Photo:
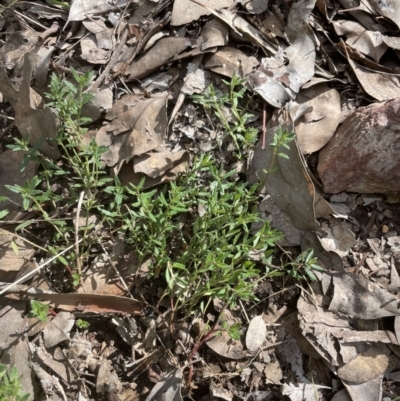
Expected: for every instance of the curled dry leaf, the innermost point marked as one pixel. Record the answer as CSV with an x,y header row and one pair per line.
x,y
389,9
167,166
367,42
280,78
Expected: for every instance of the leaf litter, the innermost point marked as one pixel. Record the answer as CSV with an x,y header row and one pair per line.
x,y
326,70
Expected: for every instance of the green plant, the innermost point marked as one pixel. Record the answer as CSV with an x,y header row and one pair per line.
x,y
10,385
39,310
201,255
80,168
302,267
82,324
243,135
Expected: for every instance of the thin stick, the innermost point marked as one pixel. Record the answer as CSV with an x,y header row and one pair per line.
x,y
78,258
29,274
5,232
264,129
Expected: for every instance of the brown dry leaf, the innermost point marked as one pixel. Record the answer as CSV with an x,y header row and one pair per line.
x,y
256,333
368,391
20,357
302,391
240,26
362,156
339,237
107,381
12,322
95,303
255,6
280,78
341,395
218,392
187,11
227,347
162,52
229,60
58,329
81,9
91,52
10,262
364,367
366,42
168,388
36,123
279,220
101,278
103,34
50,384
381,336
13,52
273,372
289,185
58,364
380,86
326,259
319,326
127,174
397,327
298,19
215,33
389,9
157,164
316,128
138,126
358,297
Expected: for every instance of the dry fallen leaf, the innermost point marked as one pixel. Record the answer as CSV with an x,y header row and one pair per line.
x,y
35,123
225,346
58,329
256,333
280,78
10,261
289,185
138,125
365,367
168,388
316,128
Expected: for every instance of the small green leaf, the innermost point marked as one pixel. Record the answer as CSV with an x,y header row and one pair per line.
x,y
3,213
14,247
